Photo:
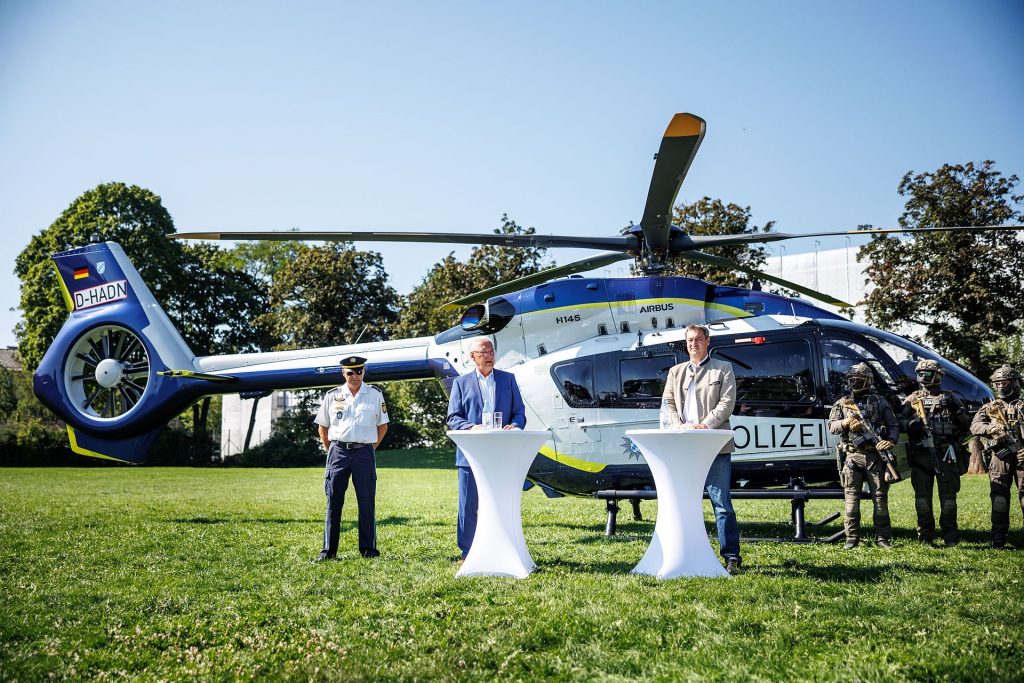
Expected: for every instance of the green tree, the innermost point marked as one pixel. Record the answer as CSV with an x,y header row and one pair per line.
x,y
263,259
330,295
226,301
132,216
422,405
708,216
962,287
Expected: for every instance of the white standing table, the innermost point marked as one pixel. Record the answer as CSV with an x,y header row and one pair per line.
x,y
679,460
500,460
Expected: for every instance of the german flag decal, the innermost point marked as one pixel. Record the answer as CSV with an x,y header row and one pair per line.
x,y
81,273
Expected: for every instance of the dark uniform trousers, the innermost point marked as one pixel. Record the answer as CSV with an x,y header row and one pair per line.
x,y
923,480
1001,474
861,468
359,464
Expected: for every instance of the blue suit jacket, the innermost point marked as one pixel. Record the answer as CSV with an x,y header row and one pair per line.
x,y
466,405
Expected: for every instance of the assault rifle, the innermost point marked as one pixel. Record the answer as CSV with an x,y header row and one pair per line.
x,y
869,437
1009,444
928,442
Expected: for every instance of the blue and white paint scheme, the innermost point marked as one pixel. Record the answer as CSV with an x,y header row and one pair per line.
x,y
118,371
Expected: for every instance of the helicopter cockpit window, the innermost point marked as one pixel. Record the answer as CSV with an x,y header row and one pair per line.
x,y
905,359
777,372
575,380
907,354
643,379
840,354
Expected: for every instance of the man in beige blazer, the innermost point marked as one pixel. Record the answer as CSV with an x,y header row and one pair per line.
x,y
702,393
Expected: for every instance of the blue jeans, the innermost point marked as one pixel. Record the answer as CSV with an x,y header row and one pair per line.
x,y
468,502
717,485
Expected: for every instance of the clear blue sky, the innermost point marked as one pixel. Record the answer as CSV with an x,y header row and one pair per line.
x,y
443,115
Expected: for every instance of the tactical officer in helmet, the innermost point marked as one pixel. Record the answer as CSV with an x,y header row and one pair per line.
x,y
937,423
1000,424
867,425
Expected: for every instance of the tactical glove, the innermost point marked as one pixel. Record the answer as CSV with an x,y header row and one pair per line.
x,y
884,445
852,424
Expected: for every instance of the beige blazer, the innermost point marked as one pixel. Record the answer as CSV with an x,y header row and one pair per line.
x,y
715,394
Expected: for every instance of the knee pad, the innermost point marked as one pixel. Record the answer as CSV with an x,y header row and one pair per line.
x,y
1000,504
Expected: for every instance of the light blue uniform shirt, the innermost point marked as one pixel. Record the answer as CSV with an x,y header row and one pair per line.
x,y
486,385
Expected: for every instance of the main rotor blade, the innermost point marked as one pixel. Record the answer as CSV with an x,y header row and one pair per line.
x,y
686,243
624,243
733,265
538,278
678,147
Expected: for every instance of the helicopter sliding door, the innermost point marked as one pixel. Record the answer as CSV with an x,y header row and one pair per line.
x,y
779,418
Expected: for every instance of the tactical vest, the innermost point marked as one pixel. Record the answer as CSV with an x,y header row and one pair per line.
x,y
940,420
1013,412
871,412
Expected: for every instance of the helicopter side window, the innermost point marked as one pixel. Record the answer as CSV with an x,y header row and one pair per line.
x,y
774,372
840,354
643,379
575,380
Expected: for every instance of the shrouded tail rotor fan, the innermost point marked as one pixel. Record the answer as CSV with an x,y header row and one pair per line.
x,y
107,372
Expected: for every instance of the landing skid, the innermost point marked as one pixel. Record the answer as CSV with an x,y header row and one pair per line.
x,y
797,493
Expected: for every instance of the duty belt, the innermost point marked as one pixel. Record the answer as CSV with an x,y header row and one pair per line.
x,y
351,445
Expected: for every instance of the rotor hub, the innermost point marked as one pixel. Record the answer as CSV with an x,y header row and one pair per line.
x,y
109,373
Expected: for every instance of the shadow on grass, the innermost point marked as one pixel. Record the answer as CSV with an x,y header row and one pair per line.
x,y
240,520
606,567
381,521
417,459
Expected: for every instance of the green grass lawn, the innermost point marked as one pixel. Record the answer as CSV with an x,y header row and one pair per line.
x,y
178,574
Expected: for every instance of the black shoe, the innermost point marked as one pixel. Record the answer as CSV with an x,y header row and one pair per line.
x,y
324,555
952,542
884,543
998,544
732,565
370,552
850,544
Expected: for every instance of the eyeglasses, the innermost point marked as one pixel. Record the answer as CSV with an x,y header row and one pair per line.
x,y
484,353
349,373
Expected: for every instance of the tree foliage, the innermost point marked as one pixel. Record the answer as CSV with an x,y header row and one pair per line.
x,y
708,216
210,300
225,302
963,287
132,216
330,295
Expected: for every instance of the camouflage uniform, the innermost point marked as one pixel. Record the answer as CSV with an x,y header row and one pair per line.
x,y
1000,424
946,423
859,461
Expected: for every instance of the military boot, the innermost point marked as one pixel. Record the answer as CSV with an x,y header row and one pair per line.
x,y
850,544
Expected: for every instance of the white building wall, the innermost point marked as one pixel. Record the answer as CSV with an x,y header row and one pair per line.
x,y
235,415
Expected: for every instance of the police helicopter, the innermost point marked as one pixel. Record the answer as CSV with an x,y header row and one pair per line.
x,y
590,354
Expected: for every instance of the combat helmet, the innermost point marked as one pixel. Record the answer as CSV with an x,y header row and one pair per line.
x,y
1006,381
859,378
929,373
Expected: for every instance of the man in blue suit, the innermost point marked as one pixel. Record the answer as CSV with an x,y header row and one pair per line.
x,y
485,390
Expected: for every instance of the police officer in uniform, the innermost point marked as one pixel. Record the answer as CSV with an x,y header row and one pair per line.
x,y
1000,424
858,457
353,419
937,423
